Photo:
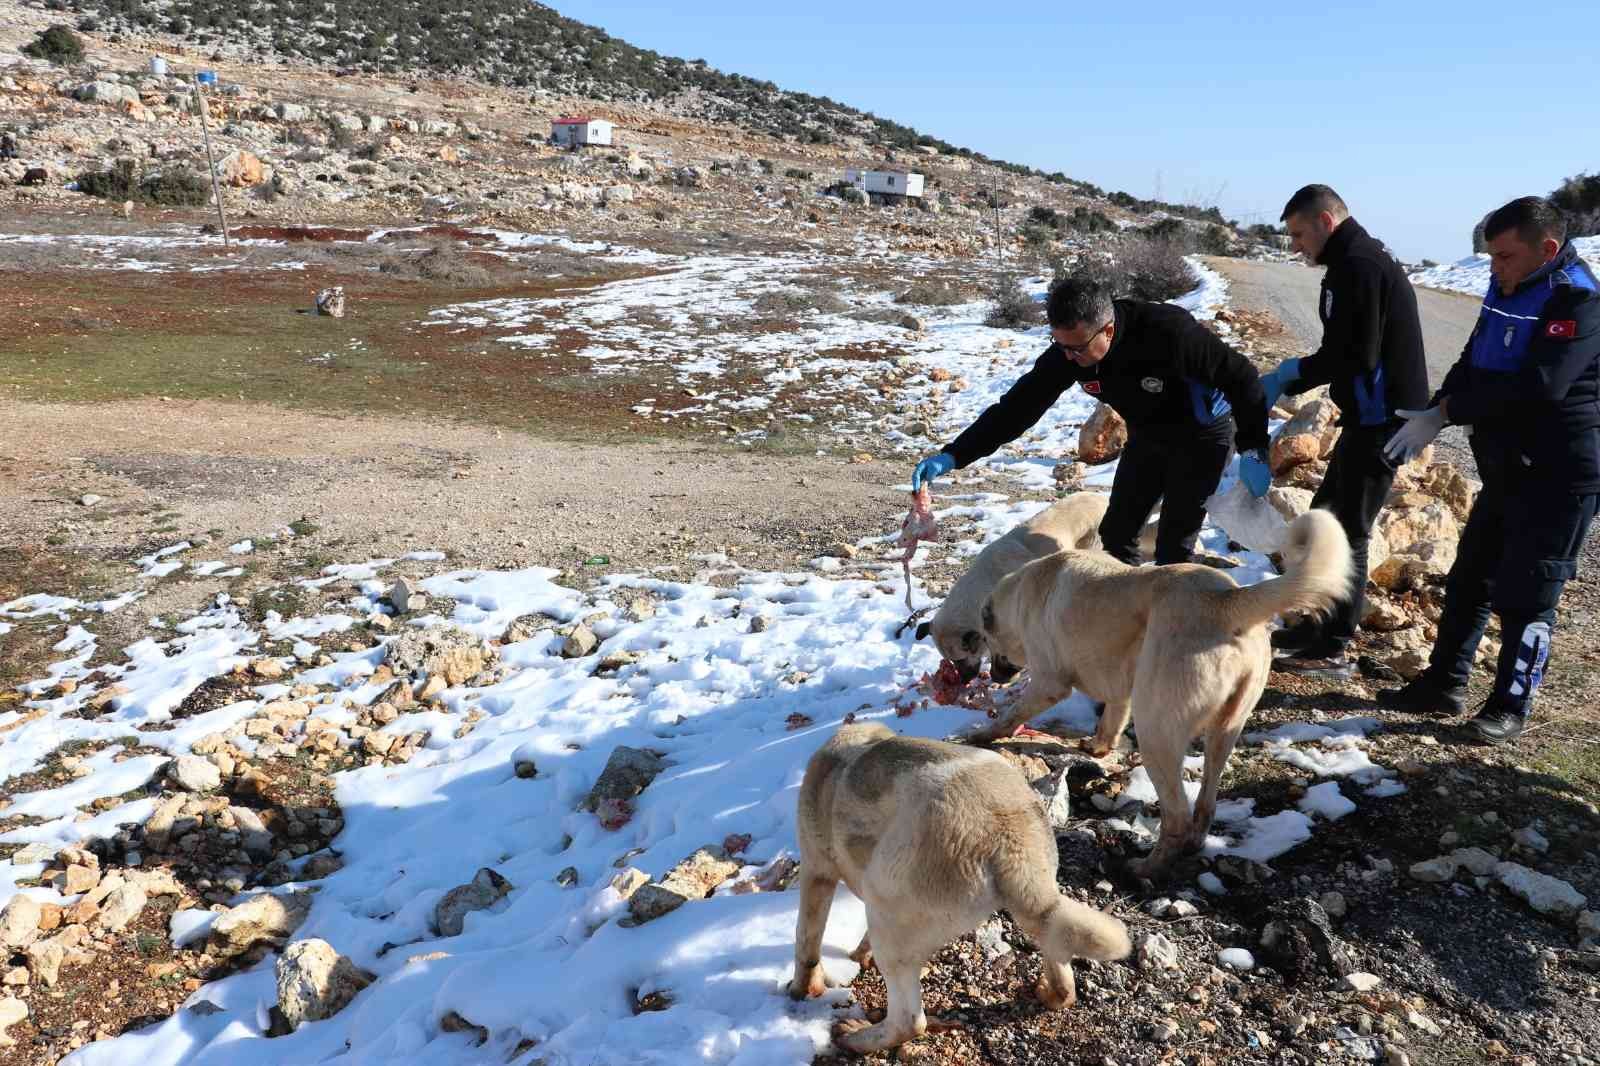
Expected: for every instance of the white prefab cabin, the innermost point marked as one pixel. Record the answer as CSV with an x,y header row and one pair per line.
x,y
886,182
572,130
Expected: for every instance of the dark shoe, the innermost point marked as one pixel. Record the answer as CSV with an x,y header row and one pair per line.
x,y
1324,659
1498,724
1295,638
1425,696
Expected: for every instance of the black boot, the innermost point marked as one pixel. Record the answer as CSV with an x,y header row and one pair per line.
x,y
1297,637
1324,658
1425,696
1499,722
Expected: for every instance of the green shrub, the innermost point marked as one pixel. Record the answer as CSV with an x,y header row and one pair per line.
x,y
785,303
58,45
1013,308
798,174
175,186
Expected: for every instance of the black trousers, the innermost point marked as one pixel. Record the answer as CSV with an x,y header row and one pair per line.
x,y
1178,468
1518,551
1354,490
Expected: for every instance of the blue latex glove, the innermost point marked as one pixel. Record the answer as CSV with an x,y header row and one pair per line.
x,y
1255,473
1286,374
933,466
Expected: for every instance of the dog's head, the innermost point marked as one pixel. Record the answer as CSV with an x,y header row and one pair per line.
x,y
1007,652
963,647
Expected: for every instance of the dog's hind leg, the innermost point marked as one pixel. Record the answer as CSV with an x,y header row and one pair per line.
x,y
816,899
899,951
1220,739
1163,752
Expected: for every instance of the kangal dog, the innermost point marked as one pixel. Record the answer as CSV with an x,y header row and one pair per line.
x,y
1183,648
1071,523
933,838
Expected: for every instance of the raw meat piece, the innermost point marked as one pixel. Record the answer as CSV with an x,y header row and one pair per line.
x,y
918,526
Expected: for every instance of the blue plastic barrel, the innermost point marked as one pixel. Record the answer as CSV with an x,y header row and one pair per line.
x,y
206,77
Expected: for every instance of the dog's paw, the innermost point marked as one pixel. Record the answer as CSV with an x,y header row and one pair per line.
x,y
855,1034
1050,997
1094,747
808,985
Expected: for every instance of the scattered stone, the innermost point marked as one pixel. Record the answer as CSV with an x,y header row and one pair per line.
x,y
1155,952
12,1011
1164,1031
194,773
1236,959
484,890
991,940
121,907
442,650
1545,894
1300,942
400,594
1334,904
1435,871
78,879
266,669
19,922
567,877
693,878
89,499
46,957
268,917
1530,838
1055,798
316,982
525,768
1477,861
580,642
627,773
1362,981
455,1023
626,883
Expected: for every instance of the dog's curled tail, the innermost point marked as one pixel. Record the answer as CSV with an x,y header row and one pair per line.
x,y
1317,574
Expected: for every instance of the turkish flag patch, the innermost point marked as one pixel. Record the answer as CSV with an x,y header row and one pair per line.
x,y
1563,330
1092,388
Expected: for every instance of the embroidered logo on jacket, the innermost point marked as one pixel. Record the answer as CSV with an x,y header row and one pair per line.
x,y
1152,384
1511,335
1564,330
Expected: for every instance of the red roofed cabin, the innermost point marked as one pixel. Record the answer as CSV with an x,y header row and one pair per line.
x,y
575,130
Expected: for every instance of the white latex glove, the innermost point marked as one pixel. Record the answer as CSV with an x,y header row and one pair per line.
x,y
1418,432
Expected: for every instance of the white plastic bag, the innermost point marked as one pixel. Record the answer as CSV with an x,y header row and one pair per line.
x,y
1254,523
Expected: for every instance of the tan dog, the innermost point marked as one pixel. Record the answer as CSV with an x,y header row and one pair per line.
x,y
1071,523
933,838
1182,647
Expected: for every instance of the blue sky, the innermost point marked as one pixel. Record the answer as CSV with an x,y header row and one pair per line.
x,y
1423,115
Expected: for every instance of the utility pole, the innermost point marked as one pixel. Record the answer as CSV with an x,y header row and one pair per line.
x,y
205,128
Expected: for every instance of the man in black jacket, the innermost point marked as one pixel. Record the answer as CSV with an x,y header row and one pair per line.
x,y
1371,359
1178,387
1528,387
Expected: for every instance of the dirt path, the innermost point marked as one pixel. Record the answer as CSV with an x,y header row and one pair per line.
x,y
170,471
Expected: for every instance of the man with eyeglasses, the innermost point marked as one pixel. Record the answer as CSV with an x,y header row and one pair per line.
x,y
1187,397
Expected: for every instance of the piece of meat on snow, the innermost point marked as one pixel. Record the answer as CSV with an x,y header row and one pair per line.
x,y
918,526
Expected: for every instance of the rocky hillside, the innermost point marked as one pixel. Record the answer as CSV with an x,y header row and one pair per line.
x,y
526,46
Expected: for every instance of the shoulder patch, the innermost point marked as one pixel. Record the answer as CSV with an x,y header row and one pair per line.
x,y
1152,384
1091,387
1561,330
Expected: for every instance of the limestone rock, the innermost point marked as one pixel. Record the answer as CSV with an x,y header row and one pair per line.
x,y
1435,871
1304,438
46,957
121,907
194,773
484,890
626,883
107,92
316,982
240,169
1291,503
12,1011
19,922
1155,952
1301,943
693,878
1056,798
1545,894
1102,437
627,773
443,651
580,642
268,917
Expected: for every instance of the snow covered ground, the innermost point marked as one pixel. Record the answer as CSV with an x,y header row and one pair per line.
x,y
736,708
1471,275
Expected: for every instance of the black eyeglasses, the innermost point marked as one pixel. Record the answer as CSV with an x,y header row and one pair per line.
x,y
1081,349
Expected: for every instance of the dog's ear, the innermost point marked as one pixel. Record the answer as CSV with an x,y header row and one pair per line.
x,y
922,630
971,641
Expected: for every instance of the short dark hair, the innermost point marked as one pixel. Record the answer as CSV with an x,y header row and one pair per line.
x,y
1313,200
1079,299
1533,217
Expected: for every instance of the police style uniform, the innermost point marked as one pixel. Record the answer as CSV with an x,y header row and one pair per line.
x,y
1372,361
1527,386
1178,387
